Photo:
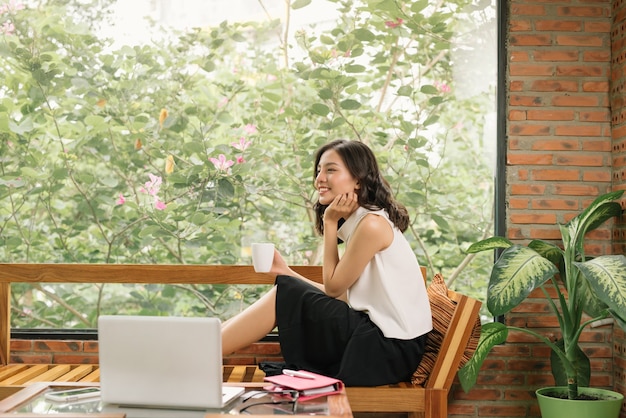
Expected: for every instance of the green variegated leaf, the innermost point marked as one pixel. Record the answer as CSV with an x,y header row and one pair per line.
x,y
607,277
619,318
547,250
592,305
489,244
491,334
567,232
594,215
518,271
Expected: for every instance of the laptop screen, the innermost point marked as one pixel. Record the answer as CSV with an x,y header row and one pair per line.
x,y
162,362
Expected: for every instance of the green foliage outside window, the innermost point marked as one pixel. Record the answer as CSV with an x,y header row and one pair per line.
x,y
187,149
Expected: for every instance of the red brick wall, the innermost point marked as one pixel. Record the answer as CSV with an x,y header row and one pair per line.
x,y
562,152
618,120
86,352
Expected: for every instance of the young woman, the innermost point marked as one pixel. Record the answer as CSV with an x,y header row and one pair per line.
x,y
367,323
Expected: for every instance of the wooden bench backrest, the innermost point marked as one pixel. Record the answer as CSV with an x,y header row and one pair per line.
x,y
443,373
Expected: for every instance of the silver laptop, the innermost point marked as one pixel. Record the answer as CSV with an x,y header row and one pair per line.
x,y
162,362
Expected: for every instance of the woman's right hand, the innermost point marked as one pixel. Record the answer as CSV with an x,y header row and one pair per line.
x,y
279,265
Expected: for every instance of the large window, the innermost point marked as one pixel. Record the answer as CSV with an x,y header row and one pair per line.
x,y
184,137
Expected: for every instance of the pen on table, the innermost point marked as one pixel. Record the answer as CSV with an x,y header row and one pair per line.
x,y
295,373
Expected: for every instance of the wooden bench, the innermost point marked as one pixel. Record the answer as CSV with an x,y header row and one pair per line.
x,y
430,401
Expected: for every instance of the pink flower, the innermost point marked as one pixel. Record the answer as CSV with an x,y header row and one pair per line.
x,y
223,102
394,23
242,145
153,186
11,6
221,163
159,205
443,87
7,28
250,129
240,159
120,200
271,77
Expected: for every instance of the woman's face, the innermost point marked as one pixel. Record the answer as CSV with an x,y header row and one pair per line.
x,y
333,178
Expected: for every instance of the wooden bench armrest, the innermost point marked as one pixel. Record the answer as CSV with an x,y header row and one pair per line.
x,y
455,341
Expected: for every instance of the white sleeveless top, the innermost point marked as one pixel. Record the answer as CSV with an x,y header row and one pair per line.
x,y
391,289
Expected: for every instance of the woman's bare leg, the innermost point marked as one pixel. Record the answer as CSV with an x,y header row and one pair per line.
x,y
248,327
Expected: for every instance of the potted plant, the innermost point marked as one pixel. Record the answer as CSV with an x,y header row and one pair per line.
x,y
584,285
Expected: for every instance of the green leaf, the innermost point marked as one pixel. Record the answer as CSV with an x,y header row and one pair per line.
x,y
226,188
327,40
491,334
591,304
320,109
547,250
355,68
225,118
407,127
431,120
208,65
620,318
435,101
94,120
298,4
22,128
489,244
599,211
31,173
364,35
337,122
518,271
429,89
440,221
325,94
419,5
405,90
4,122
149,231
606,275
349,104
199,218
194,147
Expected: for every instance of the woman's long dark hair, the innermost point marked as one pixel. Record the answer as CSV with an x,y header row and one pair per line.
x,y
375,192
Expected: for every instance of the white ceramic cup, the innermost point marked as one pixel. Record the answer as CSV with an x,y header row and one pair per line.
x,y
262,256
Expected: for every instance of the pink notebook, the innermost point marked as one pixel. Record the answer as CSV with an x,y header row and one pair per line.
x,y
309,388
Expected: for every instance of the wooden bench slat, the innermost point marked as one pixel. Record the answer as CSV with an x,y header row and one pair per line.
x,y
92,377
258,375
26,375
10,370
52,374
237,374
76,373
396,399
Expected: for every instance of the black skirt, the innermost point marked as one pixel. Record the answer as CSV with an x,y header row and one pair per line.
x,y
324,335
